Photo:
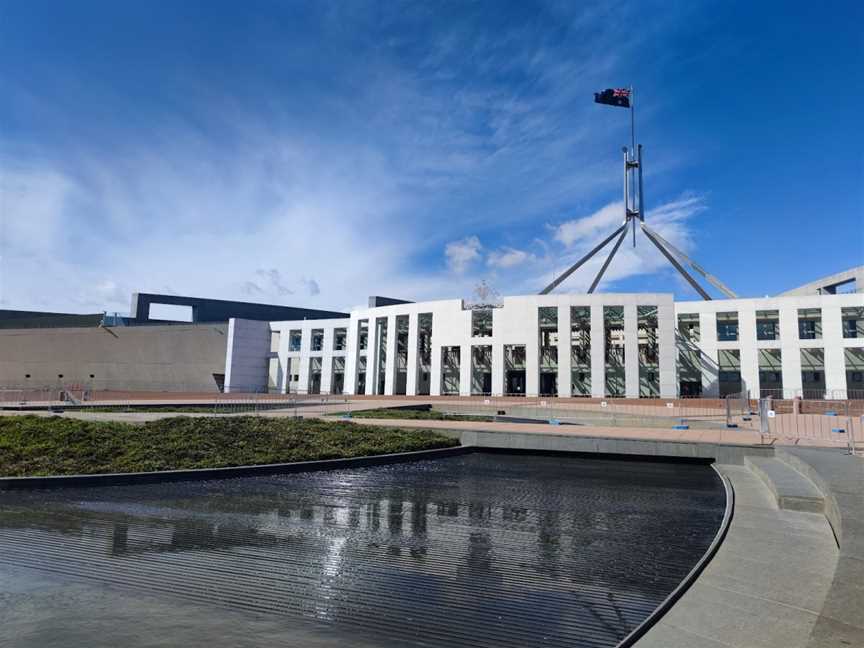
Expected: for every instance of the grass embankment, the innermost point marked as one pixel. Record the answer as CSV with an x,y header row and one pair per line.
x,y
33,445
418,415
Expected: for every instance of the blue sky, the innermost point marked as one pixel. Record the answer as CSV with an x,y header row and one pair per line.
x,y
315,153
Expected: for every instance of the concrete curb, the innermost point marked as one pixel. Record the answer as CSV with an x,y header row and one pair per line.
x,y
118,479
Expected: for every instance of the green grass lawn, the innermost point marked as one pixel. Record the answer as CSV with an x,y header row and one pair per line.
x,y
34,445
418,415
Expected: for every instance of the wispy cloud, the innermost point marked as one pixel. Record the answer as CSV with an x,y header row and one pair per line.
x,y
508,258
461,254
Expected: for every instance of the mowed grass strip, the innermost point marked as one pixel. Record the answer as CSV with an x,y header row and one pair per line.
x,y
34,445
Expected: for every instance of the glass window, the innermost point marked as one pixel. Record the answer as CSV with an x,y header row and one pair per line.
x,y
649,352
481,322
853,322
809,323
767,325
727,327
317,339
340,339
688,327
363,334
294,339
613,331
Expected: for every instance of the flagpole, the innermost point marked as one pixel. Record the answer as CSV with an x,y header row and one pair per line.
x,y
633,149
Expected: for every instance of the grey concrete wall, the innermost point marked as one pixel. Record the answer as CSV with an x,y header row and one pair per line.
x,y
721,453
152,358
247,355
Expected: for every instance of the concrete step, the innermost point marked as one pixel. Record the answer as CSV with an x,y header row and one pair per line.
x,y
793,491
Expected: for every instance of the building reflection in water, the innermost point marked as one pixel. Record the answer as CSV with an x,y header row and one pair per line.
x,y
488,541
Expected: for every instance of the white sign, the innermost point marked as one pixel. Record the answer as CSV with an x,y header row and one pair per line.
x,y
486,401
771,413
670,405
542,403
603,404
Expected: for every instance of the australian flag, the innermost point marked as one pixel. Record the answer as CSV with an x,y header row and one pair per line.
x,y
613,97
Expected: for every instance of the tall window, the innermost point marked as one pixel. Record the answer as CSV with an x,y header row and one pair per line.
x,y
481,369
340,339
317,339
613,330
729,361
813,373
424,353
450,368
548,331
294,339
649,352
580,350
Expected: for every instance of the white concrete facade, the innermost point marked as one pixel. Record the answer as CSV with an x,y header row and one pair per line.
x,y
516,322
788,342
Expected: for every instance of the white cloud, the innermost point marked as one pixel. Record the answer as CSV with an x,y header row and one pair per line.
x,y
581,229
461,254
508,258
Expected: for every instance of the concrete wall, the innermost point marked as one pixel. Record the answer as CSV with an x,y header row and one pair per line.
x,y
172,357
247,356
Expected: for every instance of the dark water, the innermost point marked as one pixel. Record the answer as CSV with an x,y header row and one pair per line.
x,y
476,550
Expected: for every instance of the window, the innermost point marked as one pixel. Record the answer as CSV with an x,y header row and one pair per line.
x,y
424,353
853,322
809,323
688,327
729,365
450,368
317,339
340,339
363,334
294,339
580,351
548,331
813,373
768,325
613,333
649,352
481,322
727,327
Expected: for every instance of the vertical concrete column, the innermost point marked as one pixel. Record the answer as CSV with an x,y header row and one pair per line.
x,y
465,370
411,379
327,361
631,352
747,346
564,350
790,351
532,352
668,349
352,356
372,357
390,376
708,356
497,369
835,356
435,377
598,352
305,350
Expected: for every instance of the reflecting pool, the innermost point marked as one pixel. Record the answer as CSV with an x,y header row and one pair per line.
x,y
482,549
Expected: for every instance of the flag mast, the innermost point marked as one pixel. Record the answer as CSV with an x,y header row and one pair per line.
x,y
634,208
